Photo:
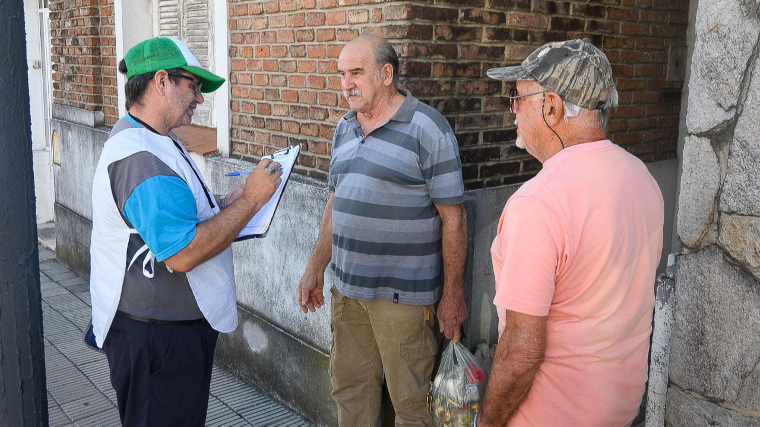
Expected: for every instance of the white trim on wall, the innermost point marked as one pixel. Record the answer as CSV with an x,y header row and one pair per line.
x,y
133,23
119,34
222,65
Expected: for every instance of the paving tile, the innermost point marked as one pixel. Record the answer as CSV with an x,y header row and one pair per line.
x,y
84,296
74,281
53,268
86,407
62,333
78,352
57,290
44,286
79,287
61,276
68,302
107,418
56,416
46,254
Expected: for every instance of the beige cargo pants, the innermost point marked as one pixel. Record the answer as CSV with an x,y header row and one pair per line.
x,y
376,336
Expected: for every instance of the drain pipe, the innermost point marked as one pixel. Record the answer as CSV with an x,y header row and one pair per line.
x,y
660,352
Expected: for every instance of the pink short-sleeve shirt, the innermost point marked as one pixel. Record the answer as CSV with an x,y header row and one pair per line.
x,y
580,244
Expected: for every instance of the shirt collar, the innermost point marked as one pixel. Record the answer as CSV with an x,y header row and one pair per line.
x,y
405,112
132,121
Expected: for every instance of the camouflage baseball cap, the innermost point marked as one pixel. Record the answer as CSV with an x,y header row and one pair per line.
x,y
575,69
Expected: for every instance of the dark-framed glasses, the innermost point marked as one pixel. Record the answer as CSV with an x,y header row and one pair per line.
x,y
198,83
514,96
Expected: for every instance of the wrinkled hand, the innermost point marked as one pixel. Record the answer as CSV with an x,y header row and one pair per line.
x,y
262,183
235,194
310,296
452,312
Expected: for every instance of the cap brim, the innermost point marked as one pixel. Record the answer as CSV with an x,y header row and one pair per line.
x,y
211,81
509,74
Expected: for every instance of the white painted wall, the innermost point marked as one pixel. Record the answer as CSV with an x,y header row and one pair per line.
x,y
133,21
222,68
38,104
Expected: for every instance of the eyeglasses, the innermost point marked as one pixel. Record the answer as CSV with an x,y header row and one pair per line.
x,y
198,83
514,96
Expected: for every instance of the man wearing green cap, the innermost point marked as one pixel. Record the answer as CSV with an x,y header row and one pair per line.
x,y
575,255
162,282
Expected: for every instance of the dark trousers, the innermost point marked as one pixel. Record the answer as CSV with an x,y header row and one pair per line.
x,y
161,373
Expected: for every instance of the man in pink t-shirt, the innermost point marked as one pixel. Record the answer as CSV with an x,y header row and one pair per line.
x,y
575,254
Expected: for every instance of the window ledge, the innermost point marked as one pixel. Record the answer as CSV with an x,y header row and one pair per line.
x,y
196,139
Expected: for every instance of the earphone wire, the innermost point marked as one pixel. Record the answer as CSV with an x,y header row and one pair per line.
x,y
543,104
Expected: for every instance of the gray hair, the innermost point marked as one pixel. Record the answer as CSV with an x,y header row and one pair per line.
x,y
611,101
386,54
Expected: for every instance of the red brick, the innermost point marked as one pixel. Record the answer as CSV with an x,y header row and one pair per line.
x,y
309,98
328,99
287,66
296,20
304,36
290,96
285,36
280,110
270,65
458,33
316,51
347,34
325,34
309,129
306,66
315,19
278,21
333,51
527,20
271,6
336,18
296,81
297,51
263,109
291,127
268,37
287,5
279,51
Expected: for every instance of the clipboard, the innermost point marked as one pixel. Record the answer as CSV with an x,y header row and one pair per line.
x,y
259,225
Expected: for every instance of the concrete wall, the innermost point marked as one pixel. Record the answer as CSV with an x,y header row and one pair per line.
x,y
715,346
276,346
81,138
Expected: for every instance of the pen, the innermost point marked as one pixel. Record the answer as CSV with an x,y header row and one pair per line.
x,y
246,173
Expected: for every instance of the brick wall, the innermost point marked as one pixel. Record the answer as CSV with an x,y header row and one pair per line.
x,y
84,55
286,90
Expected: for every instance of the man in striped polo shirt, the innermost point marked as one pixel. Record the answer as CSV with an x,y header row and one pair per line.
x,y
395,229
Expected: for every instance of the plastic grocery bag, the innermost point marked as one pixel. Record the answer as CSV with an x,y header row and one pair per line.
x,y
457,389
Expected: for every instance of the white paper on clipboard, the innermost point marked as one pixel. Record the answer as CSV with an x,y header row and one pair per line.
x,y
259,224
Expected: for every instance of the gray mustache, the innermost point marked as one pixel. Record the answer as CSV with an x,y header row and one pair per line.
x,y
352,92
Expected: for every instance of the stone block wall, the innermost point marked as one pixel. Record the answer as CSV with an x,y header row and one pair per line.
x,y
286,90
715,347
83,55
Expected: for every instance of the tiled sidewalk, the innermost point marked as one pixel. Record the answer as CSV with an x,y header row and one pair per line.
x,y
79,389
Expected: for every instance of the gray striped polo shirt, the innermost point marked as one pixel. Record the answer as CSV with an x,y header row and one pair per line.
x,y
386,241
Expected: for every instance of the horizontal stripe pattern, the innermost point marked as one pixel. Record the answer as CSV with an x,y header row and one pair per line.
x,y
386,228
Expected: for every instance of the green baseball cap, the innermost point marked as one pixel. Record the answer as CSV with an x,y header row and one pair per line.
x,y
575,69
164,53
